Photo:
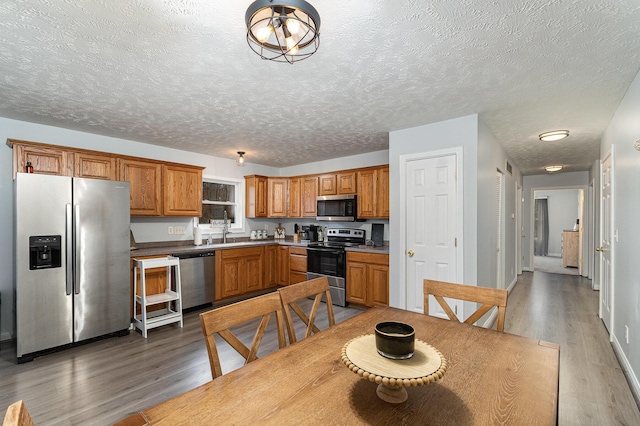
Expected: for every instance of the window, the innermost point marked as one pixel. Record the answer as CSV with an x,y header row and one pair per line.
x,y
219,196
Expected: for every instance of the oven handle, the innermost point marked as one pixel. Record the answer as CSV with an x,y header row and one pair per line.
x,y
332,251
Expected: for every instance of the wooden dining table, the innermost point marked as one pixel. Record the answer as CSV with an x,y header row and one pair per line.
x,y
491,378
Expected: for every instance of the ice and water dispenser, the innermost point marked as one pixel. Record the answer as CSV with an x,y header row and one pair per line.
x,y
45,251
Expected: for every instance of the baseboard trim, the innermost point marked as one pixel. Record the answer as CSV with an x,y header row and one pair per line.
x,y
491,320
629,374
5,335
512,285
527,269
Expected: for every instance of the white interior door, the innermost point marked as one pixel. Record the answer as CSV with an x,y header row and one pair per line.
x,y
431,225
499,232
606,242
519,229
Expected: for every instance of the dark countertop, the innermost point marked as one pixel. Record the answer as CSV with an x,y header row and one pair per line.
x,y
177,248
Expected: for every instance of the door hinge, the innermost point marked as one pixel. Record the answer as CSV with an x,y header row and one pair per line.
x,y
581,261
455,174
455,309
455,242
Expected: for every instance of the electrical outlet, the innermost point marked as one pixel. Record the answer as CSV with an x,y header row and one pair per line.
x,y
170,230
626,334
179,230
266,227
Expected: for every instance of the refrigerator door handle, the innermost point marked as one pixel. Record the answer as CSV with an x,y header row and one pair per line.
x,y
76,249
69,249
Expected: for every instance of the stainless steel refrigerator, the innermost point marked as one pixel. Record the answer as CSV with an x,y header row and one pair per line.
x,y
71,261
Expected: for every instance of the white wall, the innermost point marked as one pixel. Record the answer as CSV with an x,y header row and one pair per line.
x,y
564,209
578,180
621,133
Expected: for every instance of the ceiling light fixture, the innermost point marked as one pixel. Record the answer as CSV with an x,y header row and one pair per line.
x,y
636,145
556,135
286,31
240,160
553,168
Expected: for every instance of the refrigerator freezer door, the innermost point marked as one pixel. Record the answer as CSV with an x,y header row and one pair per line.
x,y
101,215
43,309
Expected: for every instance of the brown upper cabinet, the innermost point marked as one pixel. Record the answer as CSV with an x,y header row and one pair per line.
x,y
339,183
327,184
94,166
295,197
45,160
309,196
373,192
182,190
346,183
277,197
157,188
145,185
255,196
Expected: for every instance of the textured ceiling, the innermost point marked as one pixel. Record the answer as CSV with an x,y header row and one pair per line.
x,y
179,73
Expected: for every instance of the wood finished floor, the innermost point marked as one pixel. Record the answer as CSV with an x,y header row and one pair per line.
x,y
105,381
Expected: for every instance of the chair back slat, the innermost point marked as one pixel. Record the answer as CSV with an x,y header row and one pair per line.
x,y
289,296
489,297
17,415
218,321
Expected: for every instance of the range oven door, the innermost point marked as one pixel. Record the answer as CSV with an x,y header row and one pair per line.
x,y
330,263
327,261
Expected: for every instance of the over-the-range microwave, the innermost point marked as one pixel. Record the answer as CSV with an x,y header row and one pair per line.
x,y
336,208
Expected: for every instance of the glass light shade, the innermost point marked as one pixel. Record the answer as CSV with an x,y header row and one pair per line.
x,y
271,25
240,160
553,168
556,135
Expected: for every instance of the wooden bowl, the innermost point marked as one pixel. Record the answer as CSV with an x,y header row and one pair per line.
x,y
395,340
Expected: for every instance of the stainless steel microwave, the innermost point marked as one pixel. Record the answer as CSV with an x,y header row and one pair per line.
x,y
336,208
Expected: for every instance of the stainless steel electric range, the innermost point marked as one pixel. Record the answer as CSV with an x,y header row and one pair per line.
x,y
329,259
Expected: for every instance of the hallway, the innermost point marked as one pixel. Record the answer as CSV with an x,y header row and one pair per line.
x,y
563,309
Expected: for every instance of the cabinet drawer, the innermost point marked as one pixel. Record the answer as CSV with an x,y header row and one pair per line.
x,y
298,263
298,250
377,258
297,277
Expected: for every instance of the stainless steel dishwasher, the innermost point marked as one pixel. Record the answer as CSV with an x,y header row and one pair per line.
x,y
198,277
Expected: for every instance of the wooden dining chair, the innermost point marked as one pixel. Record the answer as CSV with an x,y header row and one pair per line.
x,y
17,415
218,321
489,297
290,295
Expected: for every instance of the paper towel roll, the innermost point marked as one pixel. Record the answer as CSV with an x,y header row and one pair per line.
x,y
197,236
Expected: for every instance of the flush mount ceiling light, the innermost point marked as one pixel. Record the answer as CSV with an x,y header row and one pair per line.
x,y
240,160
553,168
283,31
556,135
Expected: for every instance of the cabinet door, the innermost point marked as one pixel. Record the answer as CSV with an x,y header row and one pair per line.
x,y
277,205
295,206
297,264
47,161
94,166
367,193
327,184
357,283
182,195
256,196
378,288
270,266
228,276
253,272
382,198
145,182
346,183
283,265
309,196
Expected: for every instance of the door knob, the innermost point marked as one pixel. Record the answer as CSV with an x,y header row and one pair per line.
x,y
600,249
410,253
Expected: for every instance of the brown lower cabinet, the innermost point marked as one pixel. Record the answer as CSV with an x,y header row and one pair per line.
x,y
368,279
297,264
239,271
282,265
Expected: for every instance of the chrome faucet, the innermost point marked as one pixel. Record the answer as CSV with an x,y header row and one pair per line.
x,y
225,229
